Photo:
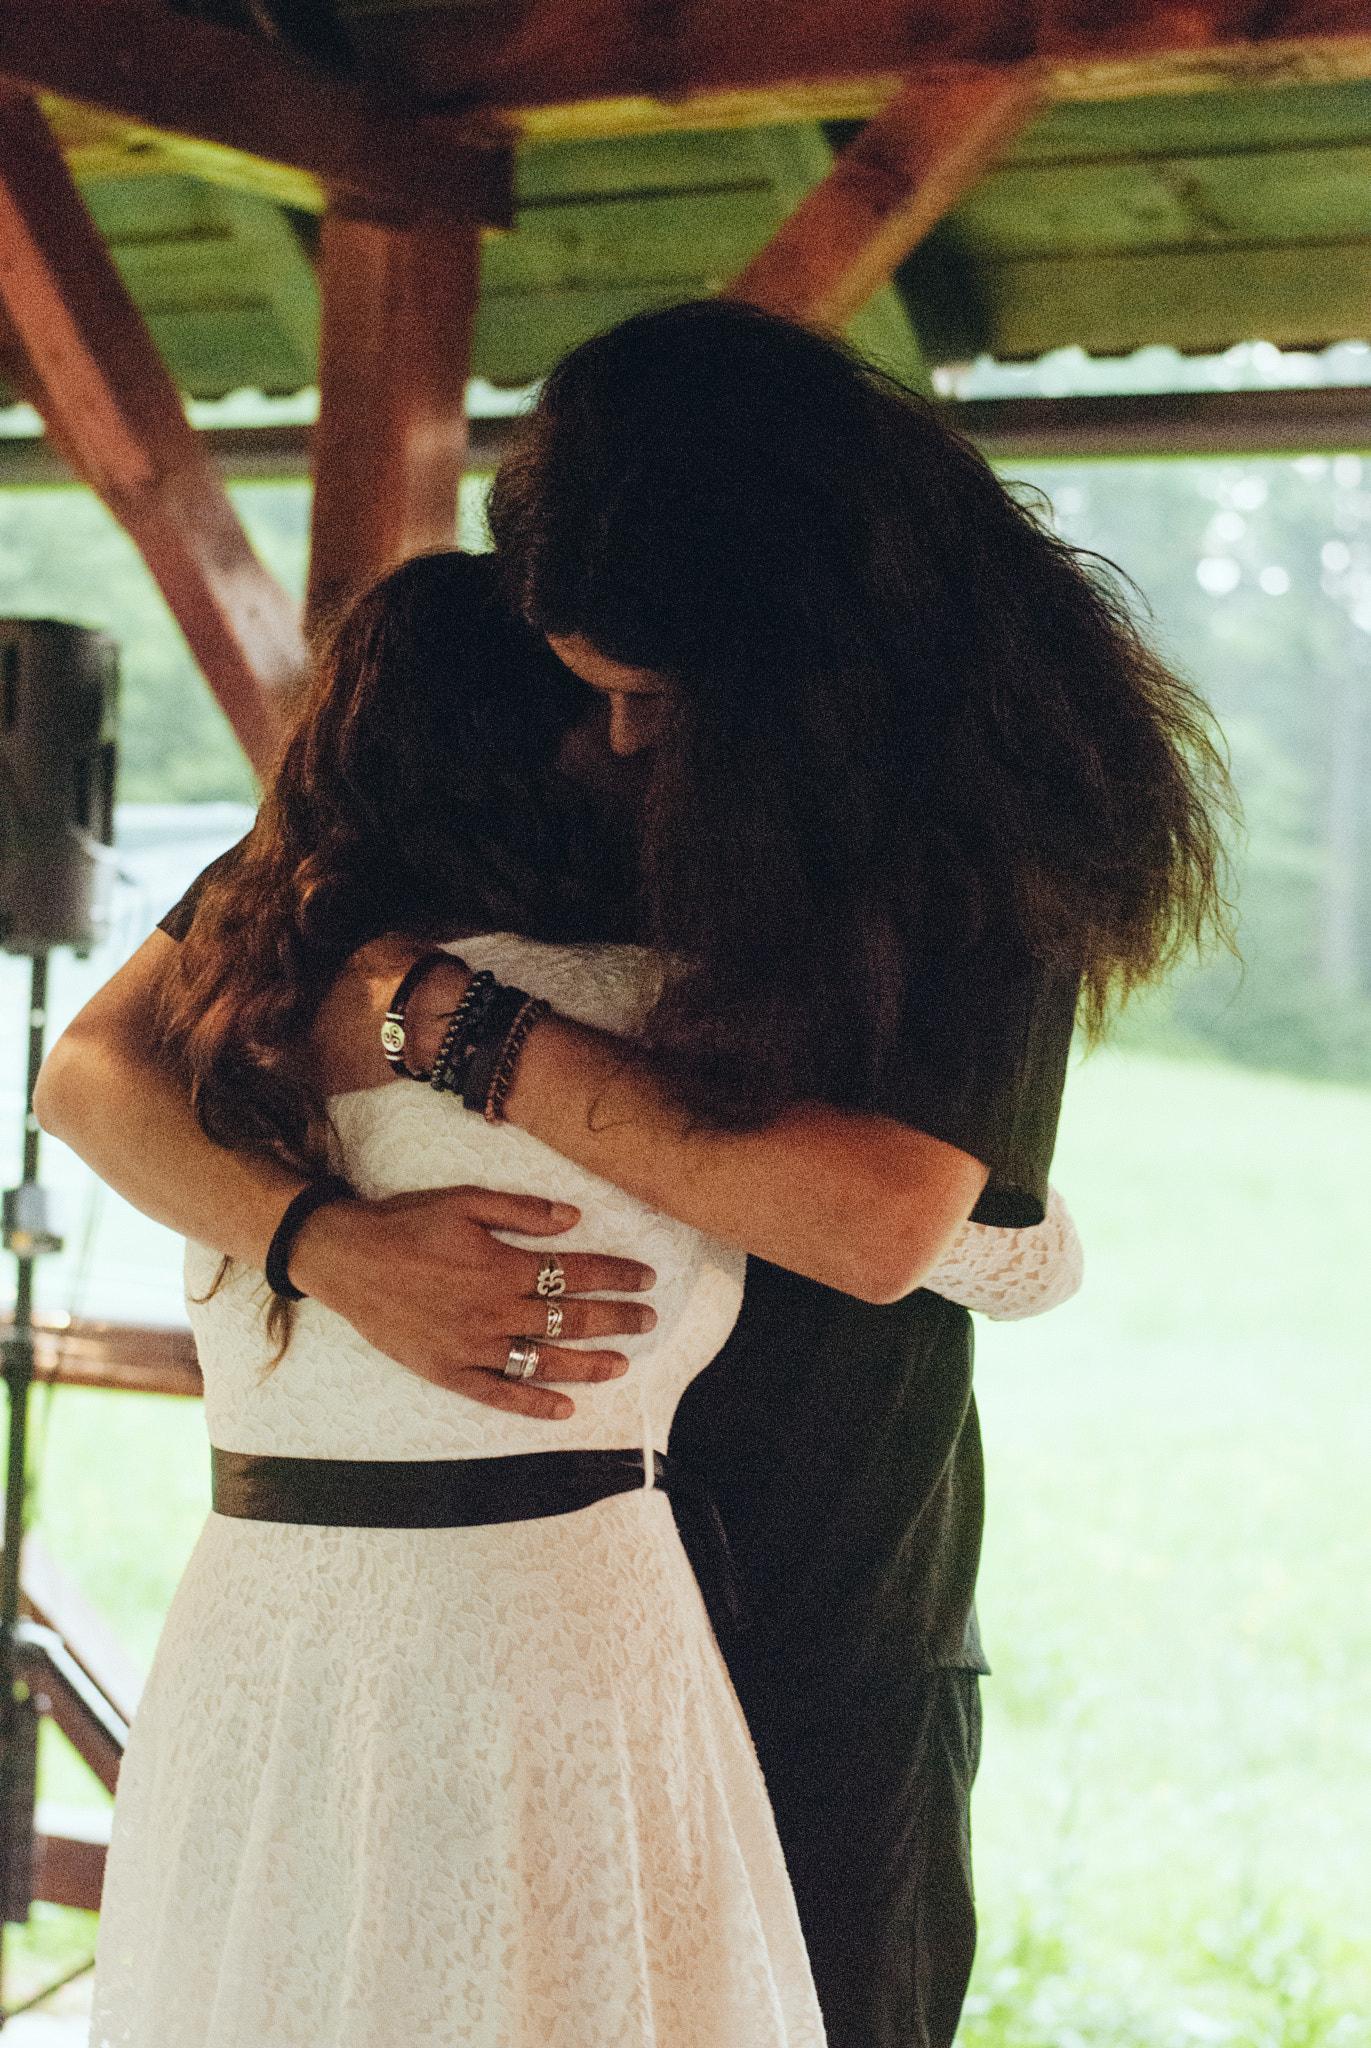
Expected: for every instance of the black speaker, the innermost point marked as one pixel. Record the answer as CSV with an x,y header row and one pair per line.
x,y
59,691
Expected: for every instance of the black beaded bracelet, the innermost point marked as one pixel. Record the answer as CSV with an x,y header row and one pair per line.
x,y
329,1188
462,1033
393,1030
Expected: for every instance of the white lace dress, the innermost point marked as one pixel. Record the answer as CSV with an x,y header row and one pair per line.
x,y
467,1788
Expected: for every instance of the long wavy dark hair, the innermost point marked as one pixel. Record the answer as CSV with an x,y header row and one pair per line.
x,y
418,793
906,716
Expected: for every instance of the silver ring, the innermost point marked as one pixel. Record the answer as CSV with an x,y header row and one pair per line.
x,y
522,1362
554,1320
551,1280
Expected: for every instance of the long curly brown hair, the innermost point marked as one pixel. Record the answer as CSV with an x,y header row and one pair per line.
x,y
907,716
417,793
912,732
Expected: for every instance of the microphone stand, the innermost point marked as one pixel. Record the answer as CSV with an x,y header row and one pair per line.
x,y
27,1235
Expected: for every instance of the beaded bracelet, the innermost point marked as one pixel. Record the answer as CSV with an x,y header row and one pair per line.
x,y
464,1021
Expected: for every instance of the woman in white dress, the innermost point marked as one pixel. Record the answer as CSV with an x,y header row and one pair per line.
x,y
469,1775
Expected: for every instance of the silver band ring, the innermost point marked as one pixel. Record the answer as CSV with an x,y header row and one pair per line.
x,y
522,1362
554,1320
551,1280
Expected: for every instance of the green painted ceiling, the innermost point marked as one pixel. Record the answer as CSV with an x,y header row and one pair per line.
x,y
1196,220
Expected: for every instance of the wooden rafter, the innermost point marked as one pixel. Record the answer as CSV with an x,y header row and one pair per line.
x,y
97,144
559,69
245,93
94,373
397,309
1232,67
897,178
553,52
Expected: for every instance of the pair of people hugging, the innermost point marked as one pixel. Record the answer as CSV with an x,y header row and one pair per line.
x,y
805,783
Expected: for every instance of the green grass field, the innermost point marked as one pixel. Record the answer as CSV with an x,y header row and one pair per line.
x,y
1174,1816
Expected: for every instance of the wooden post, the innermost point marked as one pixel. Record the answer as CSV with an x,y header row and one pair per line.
x,y
905,170
95,375
398,303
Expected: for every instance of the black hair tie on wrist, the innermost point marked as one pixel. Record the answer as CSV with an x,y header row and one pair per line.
x,y
330,1188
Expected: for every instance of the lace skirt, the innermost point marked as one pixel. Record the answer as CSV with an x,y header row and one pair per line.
x,y
470,1788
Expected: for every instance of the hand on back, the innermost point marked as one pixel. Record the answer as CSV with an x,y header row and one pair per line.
x,y
421,1277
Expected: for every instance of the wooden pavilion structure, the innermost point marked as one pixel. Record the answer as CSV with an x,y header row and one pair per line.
x,y
387,197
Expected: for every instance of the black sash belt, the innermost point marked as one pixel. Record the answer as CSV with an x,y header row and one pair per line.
x,y
470,1493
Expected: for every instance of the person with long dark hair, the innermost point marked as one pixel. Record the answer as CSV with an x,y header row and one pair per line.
x,y
883,777
437,1745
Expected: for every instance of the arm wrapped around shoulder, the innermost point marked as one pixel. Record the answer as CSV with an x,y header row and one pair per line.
x,y
1011,1274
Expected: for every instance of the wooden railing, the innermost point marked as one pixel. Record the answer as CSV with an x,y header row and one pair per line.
x,y
75,1669
74,1351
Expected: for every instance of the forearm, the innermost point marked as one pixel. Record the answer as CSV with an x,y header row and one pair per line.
x,y
421,1275
858,1202
103,1093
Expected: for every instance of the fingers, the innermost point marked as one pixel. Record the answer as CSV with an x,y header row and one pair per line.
x,y
530,1215
592,1273
566,1319
555,1362
516,1397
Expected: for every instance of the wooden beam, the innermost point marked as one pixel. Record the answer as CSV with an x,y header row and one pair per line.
x,y
61,1688
549,53
1164,423
1145,425
247,93
1201,301
69,1867
566,70
100,145
904,171
398,305
73,1351
101,386
236,453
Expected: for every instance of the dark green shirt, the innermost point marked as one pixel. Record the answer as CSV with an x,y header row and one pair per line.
x,y
840,1440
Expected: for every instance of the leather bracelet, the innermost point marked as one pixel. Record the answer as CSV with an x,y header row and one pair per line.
x,y
393,1030
479,1070
316,1194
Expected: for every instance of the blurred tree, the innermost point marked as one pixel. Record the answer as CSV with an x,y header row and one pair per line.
x,y
1258,578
